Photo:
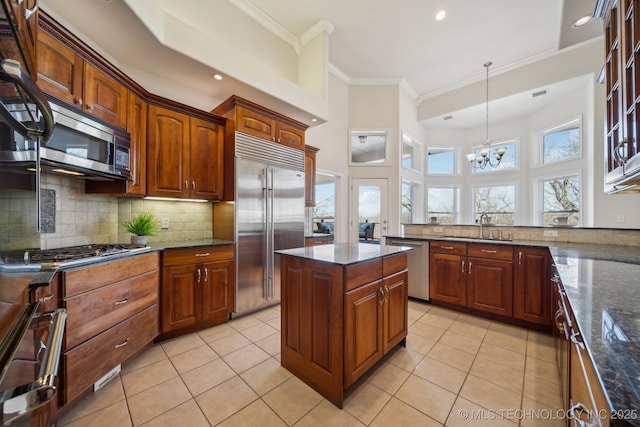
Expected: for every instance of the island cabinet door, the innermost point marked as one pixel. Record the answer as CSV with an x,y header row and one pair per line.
x,y
363,335
312,324
395,308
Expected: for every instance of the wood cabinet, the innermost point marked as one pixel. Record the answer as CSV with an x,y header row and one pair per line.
x,y
447,272
252,119
136,185
197,288
531,290
490,278
622,74
185,155
310,175
561,329
587,400
112,313
316,240
24,14
339,320
511,282
65,75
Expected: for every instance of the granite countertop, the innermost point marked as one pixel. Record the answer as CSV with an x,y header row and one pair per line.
x,y
344,253
603,288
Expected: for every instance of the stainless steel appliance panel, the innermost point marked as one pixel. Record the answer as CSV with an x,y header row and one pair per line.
x,y
269,215
418,266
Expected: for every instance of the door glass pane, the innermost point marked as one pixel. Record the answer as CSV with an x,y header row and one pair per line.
x,y
325,208
369,212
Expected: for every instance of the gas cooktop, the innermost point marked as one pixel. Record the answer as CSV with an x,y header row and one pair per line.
x,y
65,256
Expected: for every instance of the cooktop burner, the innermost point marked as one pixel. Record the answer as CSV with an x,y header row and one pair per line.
x,y
65,255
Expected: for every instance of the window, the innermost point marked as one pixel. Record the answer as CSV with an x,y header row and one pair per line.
x,y
508,160
497,201
561,143
441,161
325,208
442,203
406,212
409,152
560,200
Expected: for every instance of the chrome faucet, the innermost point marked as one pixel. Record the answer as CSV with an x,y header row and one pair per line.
x,y
483,219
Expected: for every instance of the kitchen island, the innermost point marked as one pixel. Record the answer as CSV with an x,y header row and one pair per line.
x,y
344,306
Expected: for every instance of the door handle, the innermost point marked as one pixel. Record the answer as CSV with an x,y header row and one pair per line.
x,y
381,299
462,266
470,264
199,276
206,275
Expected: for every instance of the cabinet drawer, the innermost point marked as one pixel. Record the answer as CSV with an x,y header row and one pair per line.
x,y
362,273
90,313
197,255
88,362
447,247
481,250
394,263
87,278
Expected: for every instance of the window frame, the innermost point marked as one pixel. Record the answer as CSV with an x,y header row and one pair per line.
x,y
565,125
541,182
455,213
456,156
416,155
472,196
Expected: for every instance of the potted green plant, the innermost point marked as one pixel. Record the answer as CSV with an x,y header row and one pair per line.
x,y
141,226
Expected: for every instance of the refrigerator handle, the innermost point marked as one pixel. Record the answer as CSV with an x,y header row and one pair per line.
x,y
270,231
265,240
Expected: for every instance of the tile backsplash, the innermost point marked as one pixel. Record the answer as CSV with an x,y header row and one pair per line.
x,y
606,236
90,218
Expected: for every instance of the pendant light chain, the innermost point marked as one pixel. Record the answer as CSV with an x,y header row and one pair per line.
x,y
486,138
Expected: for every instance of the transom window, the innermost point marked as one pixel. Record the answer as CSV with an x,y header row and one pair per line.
x,y
508,159
561,143
441,161
497,201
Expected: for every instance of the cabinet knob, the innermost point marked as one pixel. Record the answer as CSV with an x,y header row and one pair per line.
x,y
78,101
90,107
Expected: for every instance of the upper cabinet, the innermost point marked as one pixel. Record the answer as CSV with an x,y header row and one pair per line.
x,y
63,74
310,175
252,119
622,51
184,155
25,17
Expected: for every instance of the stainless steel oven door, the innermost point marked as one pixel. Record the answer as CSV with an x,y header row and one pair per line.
x,y
30,379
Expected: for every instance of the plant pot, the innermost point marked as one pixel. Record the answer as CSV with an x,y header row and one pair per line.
x,y
138,240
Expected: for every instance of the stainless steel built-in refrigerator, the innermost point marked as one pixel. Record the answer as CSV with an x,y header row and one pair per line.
x,y
269,215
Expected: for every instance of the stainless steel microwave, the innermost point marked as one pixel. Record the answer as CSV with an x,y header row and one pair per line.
x,y
79,145
86,145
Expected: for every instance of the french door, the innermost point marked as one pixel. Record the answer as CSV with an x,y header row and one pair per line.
x,y
368,205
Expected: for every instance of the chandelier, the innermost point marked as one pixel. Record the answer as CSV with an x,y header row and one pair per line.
x,y
481,161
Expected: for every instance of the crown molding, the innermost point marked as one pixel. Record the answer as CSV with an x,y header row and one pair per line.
x,y
322,26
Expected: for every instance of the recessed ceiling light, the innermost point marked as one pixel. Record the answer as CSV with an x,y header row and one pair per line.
x,y
441,15
217,76
581,21
314,120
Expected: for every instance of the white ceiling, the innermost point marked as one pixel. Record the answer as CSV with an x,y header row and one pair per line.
x,y
372,39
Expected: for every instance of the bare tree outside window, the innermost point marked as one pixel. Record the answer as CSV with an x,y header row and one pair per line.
x,y
561,198
497,201
442,203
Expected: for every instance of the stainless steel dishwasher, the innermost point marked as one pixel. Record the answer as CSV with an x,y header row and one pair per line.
x,y
418,266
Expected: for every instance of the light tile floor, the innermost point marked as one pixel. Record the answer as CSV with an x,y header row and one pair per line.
x,y
456,370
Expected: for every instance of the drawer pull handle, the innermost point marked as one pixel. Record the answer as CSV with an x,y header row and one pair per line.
x,y
204,254
559,324
122,344
449,248
122,301
47,298
488,251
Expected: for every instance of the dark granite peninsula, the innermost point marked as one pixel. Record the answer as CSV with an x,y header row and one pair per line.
x,y
344,306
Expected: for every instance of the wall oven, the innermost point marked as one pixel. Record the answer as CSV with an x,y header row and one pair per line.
x,y
30,337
